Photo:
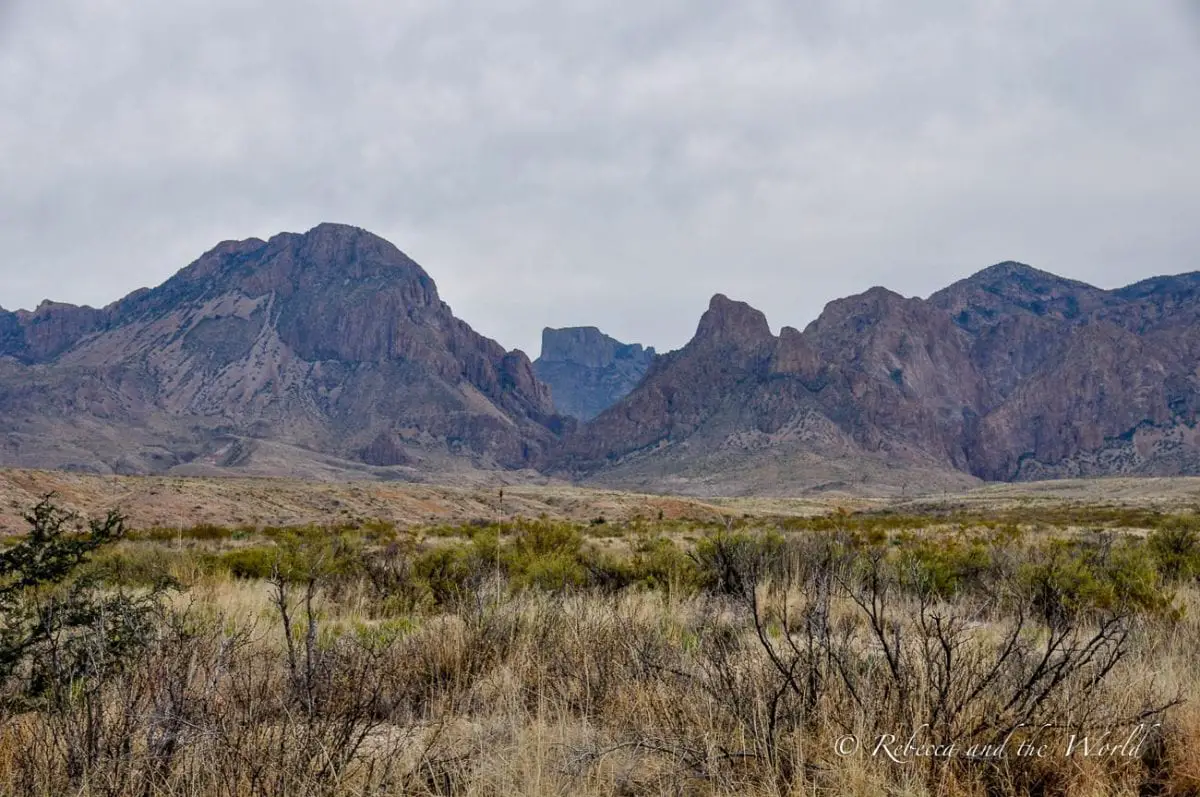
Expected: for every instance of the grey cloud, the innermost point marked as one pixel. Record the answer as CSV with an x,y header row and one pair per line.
x,y
572,163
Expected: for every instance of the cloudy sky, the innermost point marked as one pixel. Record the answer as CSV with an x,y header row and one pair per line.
x,y
568,162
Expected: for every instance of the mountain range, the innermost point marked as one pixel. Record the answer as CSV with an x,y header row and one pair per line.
x,y
329,354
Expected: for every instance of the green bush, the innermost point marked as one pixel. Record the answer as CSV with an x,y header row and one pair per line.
x,y
545,555
58,629
550,571
658,563
944,567
1176,549
253,563
546,538
451,572
207,532
140,564
1068,577
729,562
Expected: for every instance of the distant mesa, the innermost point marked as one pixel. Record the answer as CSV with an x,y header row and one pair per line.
x,y
588,371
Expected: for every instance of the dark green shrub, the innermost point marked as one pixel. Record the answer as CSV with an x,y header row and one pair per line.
x,y
58,629
607,572
1135,581
140,564
207,532
452,572
658,563
545,538
1068,577
546,555
310,552
551,571
731,562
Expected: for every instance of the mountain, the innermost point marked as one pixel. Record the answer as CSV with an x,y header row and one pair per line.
x,y
315,354
588,371
1013,373
329,354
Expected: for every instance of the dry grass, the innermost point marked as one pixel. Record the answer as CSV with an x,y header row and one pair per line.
x,y
538,696
173,502
744,678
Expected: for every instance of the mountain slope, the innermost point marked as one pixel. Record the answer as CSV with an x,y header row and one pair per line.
x,y
333,344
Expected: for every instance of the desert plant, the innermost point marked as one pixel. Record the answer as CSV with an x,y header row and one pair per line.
x,y
56,627
1176,550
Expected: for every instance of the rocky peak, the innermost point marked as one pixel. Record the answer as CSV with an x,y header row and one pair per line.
x,y
332,340
794,355
1000,291
587,346
327,256
1019,281
854,315
729,322
583,345
1176,287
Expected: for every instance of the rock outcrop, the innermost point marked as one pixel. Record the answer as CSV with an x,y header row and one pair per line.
x,y
588,371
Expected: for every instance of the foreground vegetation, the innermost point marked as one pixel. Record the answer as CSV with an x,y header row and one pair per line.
x,y
1040,652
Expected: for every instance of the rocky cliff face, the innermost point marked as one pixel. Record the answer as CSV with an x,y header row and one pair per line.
x,y
331,345
588,371
48,331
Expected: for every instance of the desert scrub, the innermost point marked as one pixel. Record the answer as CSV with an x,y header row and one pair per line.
x,y
482,664
658,563
207,532
1067,578
142,564
252,562
1175,546
452,573
60,632
947,565
726,559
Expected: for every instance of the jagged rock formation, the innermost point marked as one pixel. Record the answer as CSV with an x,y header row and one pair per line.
x,y
330,348
588,371
1012,373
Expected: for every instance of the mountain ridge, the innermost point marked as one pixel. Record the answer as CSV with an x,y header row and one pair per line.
x,y
330,351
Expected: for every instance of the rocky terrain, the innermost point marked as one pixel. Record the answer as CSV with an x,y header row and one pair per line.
x,y
329,355
588,371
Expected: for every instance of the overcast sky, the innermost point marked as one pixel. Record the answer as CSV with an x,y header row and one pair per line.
x,y
562,162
